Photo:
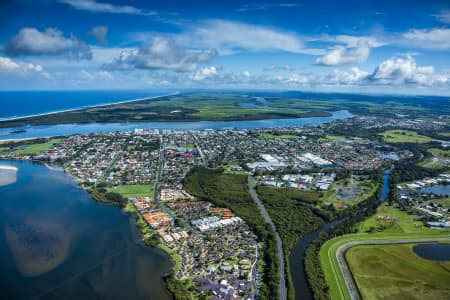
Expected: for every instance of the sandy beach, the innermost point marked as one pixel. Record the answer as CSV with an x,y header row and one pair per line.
x,y
93,106
8,174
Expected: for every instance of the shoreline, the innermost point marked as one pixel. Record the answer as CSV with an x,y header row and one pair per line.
x,y
86,107
8,168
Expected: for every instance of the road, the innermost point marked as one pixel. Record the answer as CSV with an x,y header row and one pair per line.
x,y
340,253
203,156
282,283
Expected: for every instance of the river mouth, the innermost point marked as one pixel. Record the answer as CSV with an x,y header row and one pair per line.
x,y
434,251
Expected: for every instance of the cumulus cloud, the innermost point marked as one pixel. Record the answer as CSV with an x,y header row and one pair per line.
x,y
397,72
443,16
99,33
343,56
436,38
354,50
230,37
162,54
9,66
405,71
206,72
30,41
103,7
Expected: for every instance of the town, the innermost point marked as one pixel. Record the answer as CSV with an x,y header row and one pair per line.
x,y
216,253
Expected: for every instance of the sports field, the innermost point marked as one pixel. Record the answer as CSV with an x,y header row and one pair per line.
x,y
137,190
396,272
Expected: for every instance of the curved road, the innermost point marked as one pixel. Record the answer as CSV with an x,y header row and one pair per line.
x,y
340,252
282,283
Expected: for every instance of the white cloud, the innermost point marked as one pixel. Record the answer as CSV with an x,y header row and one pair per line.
x,y
30,41
94,75
162,54
443,16
230,37
9,66
400,71
350,50
100,33
206,72
343,56
103,7
436,38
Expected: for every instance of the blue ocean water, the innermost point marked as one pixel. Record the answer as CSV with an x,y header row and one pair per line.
x,y
24,103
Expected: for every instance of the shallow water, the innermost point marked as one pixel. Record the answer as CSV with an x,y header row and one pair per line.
x,y
58,243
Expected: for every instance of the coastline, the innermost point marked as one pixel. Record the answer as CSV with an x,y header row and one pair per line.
x,y
86,107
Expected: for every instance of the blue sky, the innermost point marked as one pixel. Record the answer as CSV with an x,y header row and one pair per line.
x,y
345,46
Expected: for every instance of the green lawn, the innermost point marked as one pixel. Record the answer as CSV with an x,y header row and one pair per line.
x,y
446,134
267,135
137,190
438,159
36,148
404,228
332,138
394,221
396,272
404,136
345,192
3,149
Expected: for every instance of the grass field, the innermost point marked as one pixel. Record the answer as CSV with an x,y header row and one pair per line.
x,y
36,148
438,161
390,219
344,193
266,135
404,229
404,136
332,138
137,190
3,149
396,272
446,134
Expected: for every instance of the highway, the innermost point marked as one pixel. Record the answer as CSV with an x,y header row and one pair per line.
x,y
340,256
282,283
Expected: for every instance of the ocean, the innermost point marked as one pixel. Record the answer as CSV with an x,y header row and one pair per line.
x,y
25,103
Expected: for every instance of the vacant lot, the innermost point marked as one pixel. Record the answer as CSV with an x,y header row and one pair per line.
x,y
390,219
396,272
404,136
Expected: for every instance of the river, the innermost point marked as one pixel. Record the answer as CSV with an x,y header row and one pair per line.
x,y
56,242
297,257
68,129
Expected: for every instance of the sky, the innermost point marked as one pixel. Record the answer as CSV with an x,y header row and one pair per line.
x,y
362,46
